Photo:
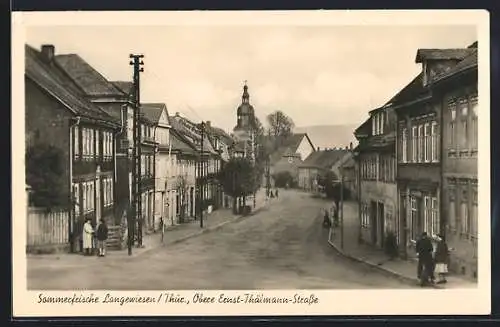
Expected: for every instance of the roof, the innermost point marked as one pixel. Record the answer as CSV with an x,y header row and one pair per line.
x,y
219,132
124,86
86,77
152,111
350,163
468,62
54,82
288,146
180,144
412,91
441,54
180,124
363,129
323,159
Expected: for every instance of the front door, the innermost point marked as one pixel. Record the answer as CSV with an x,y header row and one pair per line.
x,y
373,221
381,223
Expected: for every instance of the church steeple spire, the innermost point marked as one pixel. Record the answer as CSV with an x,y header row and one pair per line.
x,y
245,98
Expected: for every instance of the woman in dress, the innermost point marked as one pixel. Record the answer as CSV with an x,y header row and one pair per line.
x,y
87,237
441,260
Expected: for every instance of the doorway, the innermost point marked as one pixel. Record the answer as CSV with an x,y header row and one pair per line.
x,y
381,222
373,221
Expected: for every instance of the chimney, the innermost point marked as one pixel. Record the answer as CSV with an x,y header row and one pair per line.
x,y
48,51
177,114
318,149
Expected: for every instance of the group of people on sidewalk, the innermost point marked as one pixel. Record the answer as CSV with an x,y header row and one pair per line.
x,y
90,237
432,260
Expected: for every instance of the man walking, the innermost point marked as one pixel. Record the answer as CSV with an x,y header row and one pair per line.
x,y
425,261
102,236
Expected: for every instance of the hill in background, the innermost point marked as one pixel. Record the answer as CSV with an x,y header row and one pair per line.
x,y
329,136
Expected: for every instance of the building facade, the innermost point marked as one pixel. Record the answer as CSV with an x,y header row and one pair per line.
x,y
58,115
377,194
456,93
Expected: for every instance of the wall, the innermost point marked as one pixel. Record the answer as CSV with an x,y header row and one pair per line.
x,y
47,121
305,148
459,186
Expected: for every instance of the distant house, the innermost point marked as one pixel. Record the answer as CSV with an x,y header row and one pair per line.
x,y
289,154
318,163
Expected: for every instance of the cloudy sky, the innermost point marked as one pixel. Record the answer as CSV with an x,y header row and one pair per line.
x,y
316,75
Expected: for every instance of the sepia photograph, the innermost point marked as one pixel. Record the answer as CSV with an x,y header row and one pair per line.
x,y
215,162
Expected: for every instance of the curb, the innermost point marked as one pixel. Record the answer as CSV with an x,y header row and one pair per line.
x,y
386,271
200,232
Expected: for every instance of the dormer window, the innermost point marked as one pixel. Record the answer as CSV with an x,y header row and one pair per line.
x,y
378,123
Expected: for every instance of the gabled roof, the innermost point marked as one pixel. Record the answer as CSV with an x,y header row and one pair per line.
x,y
180,144
323,159
152,111
53,82
179,123
441,54
288,146
86,77
220,133
470,62
124,86
412,91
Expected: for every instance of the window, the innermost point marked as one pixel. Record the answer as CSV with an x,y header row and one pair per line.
x,y
76,199
465,217
427,142
453,114
475,131
381,128
404,146
108,191
76,137
414,140
414,219
84,197
365,219
97,144
92,143
374,125
85,142
464,122
427,216
434,216
474,222
452,218
420,146
434,142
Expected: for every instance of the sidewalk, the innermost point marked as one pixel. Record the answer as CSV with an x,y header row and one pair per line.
x,y
404,270
175,234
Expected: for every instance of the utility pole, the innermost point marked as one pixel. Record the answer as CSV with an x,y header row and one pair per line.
x,y
202,183
136,61
341,208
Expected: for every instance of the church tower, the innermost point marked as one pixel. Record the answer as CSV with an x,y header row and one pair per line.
x,y
244,131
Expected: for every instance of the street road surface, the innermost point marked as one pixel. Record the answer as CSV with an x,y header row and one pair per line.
x,y
282,247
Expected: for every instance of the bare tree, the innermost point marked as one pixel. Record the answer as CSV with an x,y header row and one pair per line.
x,y
280,125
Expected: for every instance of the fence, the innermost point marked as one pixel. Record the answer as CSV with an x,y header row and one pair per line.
x,y
47,228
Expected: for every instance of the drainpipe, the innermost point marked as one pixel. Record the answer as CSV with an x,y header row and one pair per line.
x,y
72,213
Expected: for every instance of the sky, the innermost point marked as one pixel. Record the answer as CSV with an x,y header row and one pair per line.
x,y
316,75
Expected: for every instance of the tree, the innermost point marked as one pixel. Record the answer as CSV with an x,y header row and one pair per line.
x,y
280,125
284,179
238,178
44,174
181,188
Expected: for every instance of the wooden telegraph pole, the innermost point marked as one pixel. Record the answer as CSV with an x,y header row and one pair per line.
x,y
136,62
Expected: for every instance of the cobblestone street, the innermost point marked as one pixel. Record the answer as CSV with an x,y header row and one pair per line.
x,y
282,247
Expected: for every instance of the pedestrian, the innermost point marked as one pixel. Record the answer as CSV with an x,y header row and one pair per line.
x,y
441,259
276,193
326,219
425,261
87,237
102,236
